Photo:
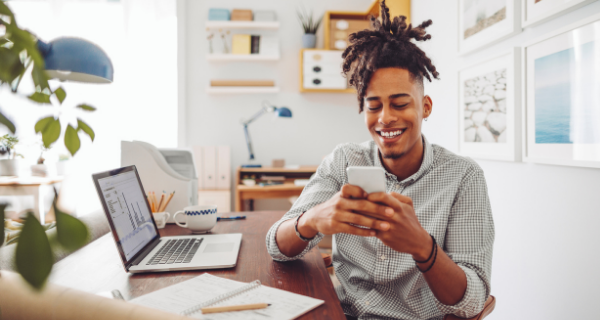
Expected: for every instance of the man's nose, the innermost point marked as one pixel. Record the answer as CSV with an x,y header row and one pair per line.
x,y
387,117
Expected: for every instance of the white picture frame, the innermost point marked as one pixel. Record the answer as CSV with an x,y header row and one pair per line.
x,y
534,12
483,22
489,114
562,123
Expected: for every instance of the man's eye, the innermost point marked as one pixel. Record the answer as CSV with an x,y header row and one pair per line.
x,y
400,106
374,107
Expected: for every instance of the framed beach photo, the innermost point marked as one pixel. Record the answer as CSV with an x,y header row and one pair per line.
x,y
489,108
537,11
483,22
562,99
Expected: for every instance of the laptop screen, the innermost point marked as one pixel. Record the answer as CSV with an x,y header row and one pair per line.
x,y
127,208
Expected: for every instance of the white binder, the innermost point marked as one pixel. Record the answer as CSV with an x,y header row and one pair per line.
x,y
209,172
223,167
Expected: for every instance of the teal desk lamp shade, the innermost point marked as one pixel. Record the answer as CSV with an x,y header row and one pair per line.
x,y
281,112
74,59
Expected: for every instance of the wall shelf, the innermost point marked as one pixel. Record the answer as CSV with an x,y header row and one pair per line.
x,y
266,25
241,57
241,90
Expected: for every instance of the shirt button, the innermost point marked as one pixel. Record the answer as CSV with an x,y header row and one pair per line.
x,y
382,257
367,303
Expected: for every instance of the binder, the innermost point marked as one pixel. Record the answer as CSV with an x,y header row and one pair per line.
x,y
209,167
223,167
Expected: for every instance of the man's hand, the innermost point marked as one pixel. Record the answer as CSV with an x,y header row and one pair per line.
x,y
342,213
401,229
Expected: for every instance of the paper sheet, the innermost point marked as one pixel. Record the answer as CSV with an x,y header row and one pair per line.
x,y
179,297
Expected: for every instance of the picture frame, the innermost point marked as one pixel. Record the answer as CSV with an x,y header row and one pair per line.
x,y
561,102
489,108
534,12
483,22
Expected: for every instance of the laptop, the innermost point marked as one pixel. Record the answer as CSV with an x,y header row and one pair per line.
x,y
141,247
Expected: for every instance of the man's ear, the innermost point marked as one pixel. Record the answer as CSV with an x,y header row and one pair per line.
x,y
427,106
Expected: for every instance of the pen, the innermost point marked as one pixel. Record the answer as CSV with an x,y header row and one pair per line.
x,y
231,218
235,308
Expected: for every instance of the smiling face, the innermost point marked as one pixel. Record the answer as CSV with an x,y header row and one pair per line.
x,y
394,110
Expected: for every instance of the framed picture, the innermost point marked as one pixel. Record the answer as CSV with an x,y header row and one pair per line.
x,y
489,108
562,99
538,11
482,22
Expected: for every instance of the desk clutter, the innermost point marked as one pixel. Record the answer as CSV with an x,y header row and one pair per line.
x,y
191,296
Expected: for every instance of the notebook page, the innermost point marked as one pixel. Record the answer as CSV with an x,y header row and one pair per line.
x,y
189,293
284,305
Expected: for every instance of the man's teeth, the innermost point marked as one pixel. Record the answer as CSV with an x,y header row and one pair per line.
x,y
390,134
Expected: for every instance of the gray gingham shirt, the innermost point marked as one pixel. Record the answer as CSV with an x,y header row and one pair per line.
x,y
450,199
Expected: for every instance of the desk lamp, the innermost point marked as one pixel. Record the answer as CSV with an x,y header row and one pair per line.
x,y
280,112
74,59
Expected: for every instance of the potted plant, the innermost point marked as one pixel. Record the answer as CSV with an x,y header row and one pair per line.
x,y
10,165
310,26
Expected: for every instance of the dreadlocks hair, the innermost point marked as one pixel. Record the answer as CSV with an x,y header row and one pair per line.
x,y
387,45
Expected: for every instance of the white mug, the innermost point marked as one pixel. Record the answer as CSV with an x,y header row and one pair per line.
x,y
199,219
161,219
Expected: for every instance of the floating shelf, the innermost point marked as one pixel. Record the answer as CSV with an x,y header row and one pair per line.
x,y
238,90
241,57
272,25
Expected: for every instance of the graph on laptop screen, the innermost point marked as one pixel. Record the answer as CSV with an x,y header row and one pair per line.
x,y
128,210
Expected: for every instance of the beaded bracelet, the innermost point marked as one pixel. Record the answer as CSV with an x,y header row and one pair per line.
x,y
298,232
431,254
431,265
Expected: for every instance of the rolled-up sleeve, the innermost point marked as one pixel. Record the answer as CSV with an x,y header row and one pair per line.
x,y
324,184
469,243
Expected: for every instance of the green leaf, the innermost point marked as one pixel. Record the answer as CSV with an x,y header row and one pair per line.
x,y
51,133
33,255
41,125
11,66
39,76
3,41
72,140
87,129
86,107
60,94
5,10
71,233
40,98
4,120
2,207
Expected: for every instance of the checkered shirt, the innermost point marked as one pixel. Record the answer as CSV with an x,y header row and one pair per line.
x,y
450,199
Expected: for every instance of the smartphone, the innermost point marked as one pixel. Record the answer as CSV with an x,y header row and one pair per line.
x,y
370,179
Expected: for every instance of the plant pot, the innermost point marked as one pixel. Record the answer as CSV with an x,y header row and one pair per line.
x,y
62,167
309,40
9,167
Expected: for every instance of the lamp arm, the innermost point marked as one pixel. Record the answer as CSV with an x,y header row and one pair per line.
x,y
248,141
257,115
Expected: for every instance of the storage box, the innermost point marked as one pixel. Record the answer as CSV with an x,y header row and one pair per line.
x,y
265,15
218,14
241,15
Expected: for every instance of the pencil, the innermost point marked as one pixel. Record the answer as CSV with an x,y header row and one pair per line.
x,y
240,307
160,203
168,200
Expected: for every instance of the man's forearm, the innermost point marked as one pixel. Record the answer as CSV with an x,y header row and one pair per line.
x,y
287,240
446,279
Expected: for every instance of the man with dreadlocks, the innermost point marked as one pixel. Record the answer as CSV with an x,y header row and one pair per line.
x,y
424,248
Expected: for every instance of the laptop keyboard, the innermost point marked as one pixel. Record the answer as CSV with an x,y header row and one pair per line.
x,y
176,251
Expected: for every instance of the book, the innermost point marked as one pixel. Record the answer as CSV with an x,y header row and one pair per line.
x,y
188,297
240,44
268,46
254,44
242,83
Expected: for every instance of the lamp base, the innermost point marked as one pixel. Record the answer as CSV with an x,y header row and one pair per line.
x,y
251,166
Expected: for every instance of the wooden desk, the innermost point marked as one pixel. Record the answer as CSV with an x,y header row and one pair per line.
x,y
97,267
286,190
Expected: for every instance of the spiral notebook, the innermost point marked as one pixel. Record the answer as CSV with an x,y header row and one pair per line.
x,y
188,297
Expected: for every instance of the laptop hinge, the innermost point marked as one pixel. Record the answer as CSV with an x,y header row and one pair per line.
x,y
142,254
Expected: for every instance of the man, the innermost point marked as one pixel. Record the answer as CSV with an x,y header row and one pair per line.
x,y
424,248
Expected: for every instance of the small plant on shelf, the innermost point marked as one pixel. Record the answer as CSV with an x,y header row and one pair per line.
x,y
310,26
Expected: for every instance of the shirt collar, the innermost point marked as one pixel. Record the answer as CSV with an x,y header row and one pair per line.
x,y
425,165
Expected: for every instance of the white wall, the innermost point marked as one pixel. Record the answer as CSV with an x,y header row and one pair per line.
x,y
545,257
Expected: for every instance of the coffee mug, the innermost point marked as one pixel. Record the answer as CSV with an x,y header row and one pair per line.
x,y
161,219
199,219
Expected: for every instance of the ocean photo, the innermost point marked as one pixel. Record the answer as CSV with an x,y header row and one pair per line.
x,y
478,15
567,96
